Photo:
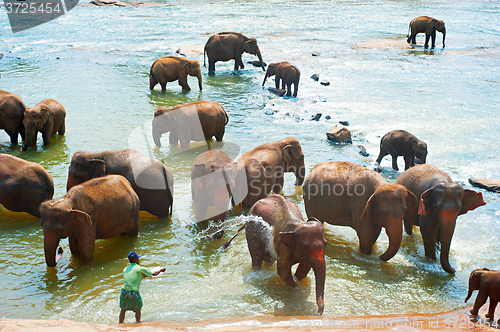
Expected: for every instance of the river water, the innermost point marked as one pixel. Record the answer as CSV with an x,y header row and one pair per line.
x,y
96,62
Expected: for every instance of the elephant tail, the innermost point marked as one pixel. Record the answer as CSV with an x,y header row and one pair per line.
x,y
227,243
227,118
204,57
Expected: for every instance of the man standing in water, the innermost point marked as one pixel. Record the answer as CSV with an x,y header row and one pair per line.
x,y
130,299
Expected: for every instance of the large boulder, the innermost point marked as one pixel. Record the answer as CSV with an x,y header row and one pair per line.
x,y
488,184
339,135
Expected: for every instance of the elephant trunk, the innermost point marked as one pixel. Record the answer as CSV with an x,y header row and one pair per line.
x,y
319,268
394,232
447,227
30,139
50,244
199,81
260,59
300,173
157,133
444,35
265,78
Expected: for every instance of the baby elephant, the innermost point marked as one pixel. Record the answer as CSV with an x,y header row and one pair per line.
x,y
282,234
488,284
173,68
287,73
47,117
402,143
428,25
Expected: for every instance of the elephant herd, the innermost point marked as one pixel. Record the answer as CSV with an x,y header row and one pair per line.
x,y
106,190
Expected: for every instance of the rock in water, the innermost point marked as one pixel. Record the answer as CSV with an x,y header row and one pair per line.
x,y
344,123
362,151
279,92
256,63
315,77
488,184
325,83
377,169
339,135
316,117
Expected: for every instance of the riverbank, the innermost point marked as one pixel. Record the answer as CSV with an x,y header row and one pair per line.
x,y
458,320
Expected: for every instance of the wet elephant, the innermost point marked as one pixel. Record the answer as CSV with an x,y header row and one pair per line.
x,y
441,202
101,208
151,179
212,177
293,241
427,25
23,185
402,143
347,194
47,117
488,284
262,170
225,46
173,68
196,121
11,115
285,72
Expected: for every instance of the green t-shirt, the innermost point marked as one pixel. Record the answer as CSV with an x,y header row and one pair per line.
x,y
133,275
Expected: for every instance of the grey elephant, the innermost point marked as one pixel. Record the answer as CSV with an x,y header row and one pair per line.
x,y
173,68
47,117
285,72
428,25
150,178
11,115
196,121
441,202
101,208
225,46
402,143
23,185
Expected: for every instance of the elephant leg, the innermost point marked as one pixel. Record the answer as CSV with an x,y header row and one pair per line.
x,y
395,162
277,82
163,86
408,227
376,232
289,90
211,66
491,310
13,136
480,301
62,129
173,139
288,278
201,207
183,83
220,134
408,161
184,143
410,38
47,136
283,85
278,185
427,36
302,270
433,37
295,89
152,82
365,237
73,245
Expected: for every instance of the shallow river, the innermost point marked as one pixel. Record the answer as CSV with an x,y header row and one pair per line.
x,y
96,62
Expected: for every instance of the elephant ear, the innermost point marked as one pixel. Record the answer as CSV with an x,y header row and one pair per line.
x,y
411,203
80,219
368,211
97,168
288,239
315,219
413,146
45,114
188,66
287,154
424,206
471,200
